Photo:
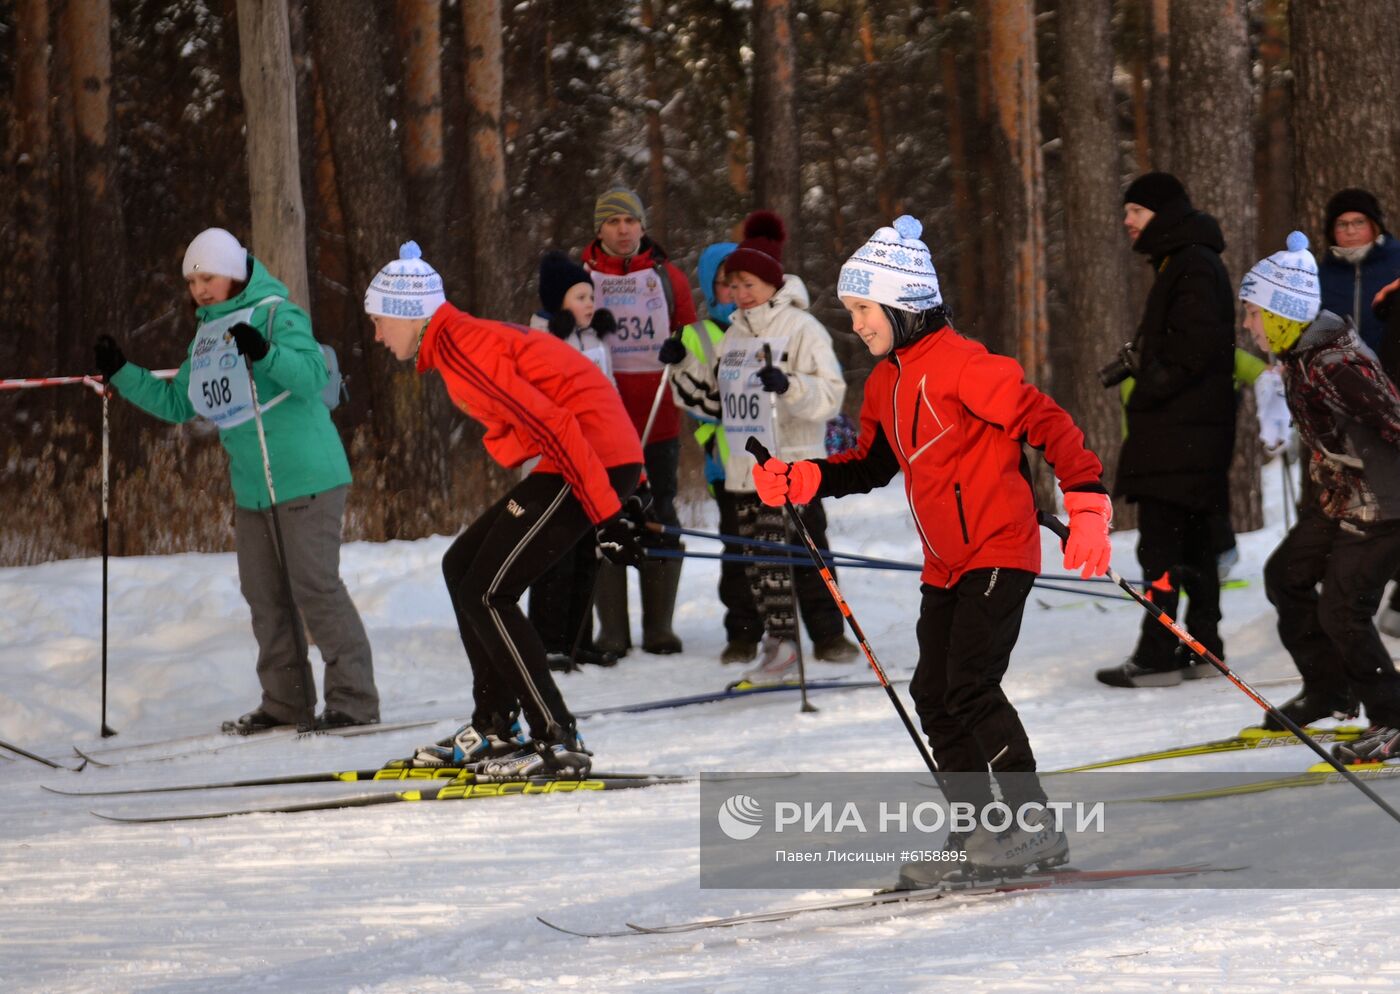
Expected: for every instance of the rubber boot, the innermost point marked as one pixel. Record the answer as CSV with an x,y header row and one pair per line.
x,y
614,636
660,580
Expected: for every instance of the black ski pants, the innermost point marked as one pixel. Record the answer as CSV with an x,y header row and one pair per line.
x,y
1181,544
966,633
561,600
487,568
1329,631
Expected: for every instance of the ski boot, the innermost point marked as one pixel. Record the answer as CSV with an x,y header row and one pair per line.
x,y
467,747
837,649
948,867
1376,745
738,651
1016,852
776,664
259,720
564,760
1130,674
331,718
1312,705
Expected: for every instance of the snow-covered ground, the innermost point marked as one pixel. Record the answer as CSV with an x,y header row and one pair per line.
x,y
429,899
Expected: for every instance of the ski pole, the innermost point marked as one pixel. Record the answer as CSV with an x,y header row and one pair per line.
x,y
1287,490
106,732
38,759
656,400
806,707
762,455
298,636
1059,528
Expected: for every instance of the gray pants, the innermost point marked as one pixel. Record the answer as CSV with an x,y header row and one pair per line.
x,y
311,530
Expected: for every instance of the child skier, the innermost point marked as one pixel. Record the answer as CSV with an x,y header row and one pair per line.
x,y
776,379
1348,540
953,418
243,311
536,396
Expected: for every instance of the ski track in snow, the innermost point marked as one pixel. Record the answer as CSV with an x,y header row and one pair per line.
x,y
430,899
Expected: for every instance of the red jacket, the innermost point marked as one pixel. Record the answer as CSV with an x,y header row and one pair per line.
x,y
537,396
639,389
953,418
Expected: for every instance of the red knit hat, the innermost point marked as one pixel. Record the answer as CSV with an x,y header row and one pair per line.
x,y
761,251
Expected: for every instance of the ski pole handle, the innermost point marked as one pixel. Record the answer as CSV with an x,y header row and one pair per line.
x,y
758,450
1053,523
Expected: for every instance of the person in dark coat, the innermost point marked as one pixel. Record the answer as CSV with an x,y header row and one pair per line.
x,y
1175,460
1361,258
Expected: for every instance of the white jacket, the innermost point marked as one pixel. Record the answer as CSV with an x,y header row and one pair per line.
x,y
815,383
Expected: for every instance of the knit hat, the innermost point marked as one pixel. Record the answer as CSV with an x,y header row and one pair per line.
x,y
761,251
216,251
617,202
558,275
406,288
1286,282
1154,191
893,268
1353,199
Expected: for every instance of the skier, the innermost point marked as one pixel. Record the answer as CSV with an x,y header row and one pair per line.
x,y
776,379
1347,540
536,396
953,418
243,311
561,600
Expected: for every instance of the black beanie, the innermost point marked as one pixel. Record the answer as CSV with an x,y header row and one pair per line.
x,y
559,274
1353,199
1154,191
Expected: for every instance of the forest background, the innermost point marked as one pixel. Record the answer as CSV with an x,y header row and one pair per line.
x,y
324,133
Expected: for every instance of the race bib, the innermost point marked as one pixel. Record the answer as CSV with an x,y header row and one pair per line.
x,y
219,389
748,408
638,301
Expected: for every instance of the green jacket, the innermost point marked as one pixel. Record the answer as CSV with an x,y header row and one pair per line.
x,y
303,446
702,340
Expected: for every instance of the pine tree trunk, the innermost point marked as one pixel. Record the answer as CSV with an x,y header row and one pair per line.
x,y
657,214
268,82
1346,88
492,262
1159,81
966,269
419,28
1021,177
777,152
884,197
1213,155
99,243
1097,313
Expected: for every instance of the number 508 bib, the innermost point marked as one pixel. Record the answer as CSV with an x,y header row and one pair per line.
x,y
219,387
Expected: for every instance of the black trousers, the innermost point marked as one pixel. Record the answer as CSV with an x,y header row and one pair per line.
x,y
1329,632
742,620
966,634
1182,544
487,568
561,600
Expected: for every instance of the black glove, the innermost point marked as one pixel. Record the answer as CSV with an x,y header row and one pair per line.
x,y
617,542
672,351
250,341
109,356
1385,305
562,322
774,380
638,508
603,322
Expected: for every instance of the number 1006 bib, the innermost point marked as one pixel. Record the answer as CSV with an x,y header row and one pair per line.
x,y
748,409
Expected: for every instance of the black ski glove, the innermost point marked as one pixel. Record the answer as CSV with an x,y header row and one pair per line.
x,y
774,380
562,322
672,351
617,542
109,356
603,322
250,341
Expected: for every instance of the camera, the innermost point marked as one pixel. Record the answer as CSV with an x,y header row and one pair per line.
x,y
1124,364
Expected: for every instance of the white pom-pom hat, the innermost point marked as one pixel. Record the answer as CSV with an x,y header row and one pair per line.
x,y
406,288
1286,282
893,268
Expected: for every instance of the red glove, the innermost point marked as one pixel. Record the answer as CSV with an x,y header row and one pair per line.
x,y
776,481
1089,518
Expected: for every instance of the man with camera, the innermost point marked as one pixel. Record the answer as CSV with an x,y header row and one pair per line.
x,y
1180,416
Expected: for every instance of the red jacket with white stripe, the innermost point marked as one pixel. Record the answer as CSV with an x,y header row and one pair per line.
x,y
537,396
953,418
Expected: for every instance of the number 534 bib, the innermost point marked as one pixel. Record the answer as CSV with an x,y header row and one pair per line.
x,y
219,387
638,301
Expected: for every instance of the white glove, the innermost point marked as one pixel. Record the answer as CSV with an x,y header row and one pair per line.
x,y
1275,421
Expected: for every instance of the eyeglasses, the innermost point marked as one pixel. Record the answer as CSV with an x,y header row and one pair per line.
x,y
1353,225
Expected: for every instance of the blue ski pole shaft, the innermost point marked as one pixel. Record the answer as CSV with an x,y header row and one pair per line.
x,y
1184,637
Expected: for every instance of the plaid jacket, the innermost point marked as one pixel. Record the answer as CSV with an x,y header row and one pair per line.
x,y
1348,412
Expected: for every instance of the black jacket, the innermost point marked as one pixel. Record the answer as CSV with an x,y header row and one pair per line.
x,y
1181,414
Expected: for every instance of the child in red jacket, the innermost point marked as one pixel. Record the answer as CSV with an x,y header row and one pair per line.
x,y
953,417
537,396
